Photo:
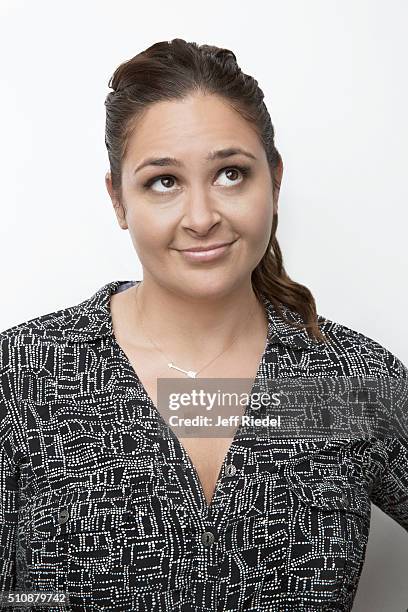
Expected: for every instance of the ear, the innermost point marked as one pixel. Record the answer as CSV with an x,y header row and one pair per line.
x,y
278,172
117,205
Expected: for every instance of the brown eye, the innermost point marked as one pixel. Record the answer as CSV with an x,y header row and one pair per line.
x,y
162,180
232,171
165,181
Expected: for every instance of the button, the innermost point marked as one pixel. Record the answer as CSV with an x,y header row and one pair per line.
x,y
230,470
63,516
344,498
207,538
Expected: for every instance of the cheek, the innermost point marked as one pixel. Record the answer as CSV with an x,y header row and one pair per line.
x,y
266,214
258,226
143,228
150,236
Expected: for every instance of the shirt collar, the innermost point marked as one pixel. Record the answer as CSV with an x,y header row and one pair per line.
x,y
91,319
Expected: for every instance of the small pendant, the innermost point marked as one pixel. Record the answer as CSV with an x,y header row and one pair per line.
x,y
189,373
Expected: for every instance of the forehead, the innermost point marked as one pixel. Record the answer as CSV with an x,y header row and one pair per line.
x,y
197,124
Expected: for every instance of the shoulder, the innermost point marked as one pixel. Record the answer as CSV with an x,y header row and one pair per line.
x,y
25,347
84,321
40,327
54,328
353,345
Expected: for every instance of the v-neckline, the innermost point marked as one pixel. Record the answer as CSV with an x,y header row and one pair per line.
x,y
185,456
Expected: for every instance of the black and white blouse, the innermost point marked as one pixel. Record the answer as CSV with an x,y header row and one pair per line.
x,y
95,503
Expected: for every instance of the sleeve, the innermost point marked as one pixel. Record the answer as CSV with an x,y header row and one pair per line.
x,y
8,471
390,492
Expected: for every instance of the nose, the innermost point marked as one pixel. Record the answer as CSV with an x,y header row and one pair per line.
x,y
200,212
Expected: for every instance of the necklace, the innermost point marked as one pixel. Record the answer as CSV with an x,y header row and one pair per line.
x,y
170,364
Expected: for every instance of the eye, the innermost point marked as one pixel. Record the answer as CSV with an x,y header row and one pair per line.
x,y
164,179
244,170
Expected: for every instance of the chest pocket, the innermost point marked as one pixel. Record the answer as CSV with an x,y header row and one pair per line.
x,y
328,525
95,542
73,539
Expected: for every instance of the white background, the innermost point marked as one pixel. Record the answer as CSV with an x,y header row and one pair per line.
x,y
334,74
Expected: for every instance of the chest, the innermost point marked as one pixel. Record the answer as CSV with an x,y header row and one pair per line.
x,y
207,454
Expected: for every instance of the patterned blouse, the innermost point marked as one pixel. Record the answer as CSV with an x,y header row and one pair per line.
x,y
95,503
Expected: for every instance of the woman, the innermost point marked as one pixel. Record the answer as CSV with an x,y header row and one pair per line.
x,y
96,502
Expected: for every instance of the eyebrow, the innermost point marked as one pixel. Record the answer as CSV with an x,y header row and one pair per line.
x,y
172,161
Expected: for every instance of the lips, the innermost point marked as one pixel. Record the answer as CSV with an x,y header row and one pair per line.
x,y
210,247
208,254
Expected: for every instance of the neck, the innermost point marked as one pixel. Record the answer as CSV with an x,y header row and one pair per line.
x,y
196,325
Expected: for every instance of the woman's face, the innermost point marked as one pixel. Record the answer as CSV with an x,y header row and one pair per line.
x,y
197,198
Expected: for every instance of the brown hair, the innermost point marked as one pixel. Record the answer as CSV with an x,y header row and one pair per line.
x,y
171,70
